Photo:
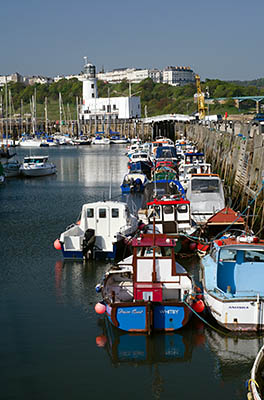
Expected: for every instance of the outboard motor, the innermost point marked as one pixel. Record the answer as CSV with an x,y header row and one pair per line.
x,y
88,243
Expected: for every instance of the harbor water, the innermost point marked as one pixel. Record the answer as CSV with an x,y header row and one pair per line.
x,y
52,343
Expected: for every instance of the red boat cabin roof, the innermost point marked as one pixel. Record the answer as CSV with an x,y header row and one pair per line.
x,y
150,239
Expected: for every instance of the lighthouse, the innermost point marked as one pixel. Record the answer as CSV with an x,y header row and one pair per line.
x,y
95,107
89,82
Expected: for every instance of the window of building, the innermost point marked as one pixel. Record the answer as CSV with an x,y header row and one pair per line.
x,y
92,85
92,94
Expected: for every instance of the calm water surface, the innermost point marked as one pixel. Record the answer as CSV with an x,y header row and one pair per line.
x,y
52,344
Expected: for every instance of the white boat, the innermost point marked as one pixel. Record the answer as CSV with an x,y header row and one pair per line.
x,y
100,139
37,166
29,142
110,222
232,276
206,195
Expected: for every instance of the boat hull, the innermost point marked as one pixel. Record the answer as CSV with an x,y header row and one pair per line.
x,y
34,172
117,252
146,317
240,315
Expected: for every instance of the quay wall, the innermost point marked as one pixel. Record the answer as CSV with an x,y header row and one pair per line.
x,y
236,152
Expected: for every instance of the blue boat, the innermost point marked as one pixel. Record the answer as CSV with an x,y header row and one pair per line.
x,y
148,291
232,278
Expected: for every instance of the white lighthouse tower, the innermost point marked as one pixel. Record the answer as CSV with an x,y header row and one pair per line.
x,y
89,82
94,107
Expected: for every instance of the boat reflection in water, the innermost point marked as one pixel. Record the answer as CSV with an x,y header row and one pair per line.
x,y
177,346
234,354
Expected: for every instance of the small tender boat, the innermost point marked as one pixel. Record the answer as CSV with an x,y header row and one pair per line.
x,y
148,291
206,195
134,182
34,166
100,232
232,275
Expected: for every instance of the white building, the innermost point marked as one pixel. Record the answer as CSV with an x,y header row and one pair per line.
x,y
114,107
132,75
16,77
178,76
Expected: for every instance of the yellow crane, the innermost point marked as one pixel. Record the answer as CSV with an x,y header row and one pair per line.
x,y
200,98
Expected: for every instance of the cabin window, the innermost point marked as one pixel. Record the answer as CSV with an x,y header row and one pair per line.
x,y
115,212
227,255
102,213
168,210
205,185
254,256
182,208
90,212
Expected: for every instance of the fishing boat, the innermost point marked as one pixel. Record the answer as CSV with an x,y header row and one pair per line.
x,y
35,166
172,217
232,275
206,195
148,291
134,182
100,231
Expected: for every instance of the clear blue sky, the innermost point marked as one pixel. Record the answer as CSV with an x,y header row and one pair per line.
x,y
218,39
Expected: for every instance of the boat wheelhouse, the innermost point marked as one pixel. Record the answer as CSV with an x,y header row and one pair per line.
x,y
206,195
100,232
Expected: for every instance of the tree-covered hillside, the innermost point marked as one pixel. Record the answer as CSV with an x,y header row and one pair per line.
x,y
156,98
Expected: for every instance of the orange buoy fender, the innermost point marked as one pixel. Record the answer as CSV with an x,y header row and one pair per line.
x,y
57,244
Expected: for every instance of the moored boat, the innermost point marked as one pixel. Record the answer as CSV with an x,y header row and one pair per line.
x,y
149,291
232,276
99,233
35,166
206,195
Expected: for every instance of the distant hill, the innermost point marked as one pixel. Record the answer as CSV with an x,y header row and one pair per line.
x,y
255,82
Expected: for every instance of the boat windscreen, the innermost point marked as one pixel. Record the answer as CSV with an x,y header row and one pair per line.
x,y
205,185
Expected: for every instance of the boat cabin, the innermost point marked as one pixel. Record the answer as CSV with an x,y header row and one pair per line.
x,y
36,159
171,214
206,195
239,266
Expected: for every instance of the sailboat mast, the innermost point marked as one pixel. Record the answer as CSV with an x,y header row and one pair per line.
x,y
10,116
6,111
46,114
60,108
